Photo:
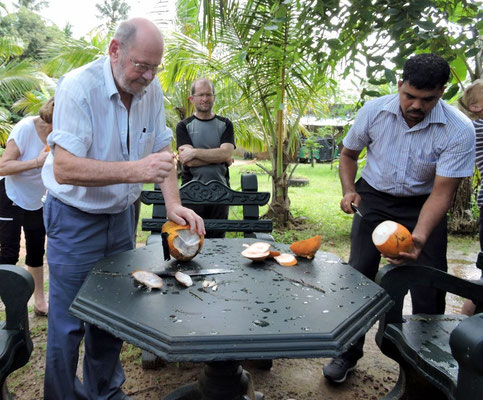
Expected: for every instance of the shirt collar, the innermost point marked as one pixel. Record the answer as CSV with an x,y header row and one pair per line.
x,y
111,88
436,115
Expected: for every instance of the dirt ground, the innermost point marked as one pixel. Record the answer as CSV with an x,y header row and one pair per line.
x,y
289,379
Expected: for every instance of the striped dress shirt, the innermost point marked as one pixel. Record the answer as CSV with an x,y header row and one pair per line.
x,y
91,121
404,161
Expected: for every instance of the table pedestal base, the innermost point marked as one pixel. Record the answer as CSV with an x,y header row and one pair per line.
x,y
223,380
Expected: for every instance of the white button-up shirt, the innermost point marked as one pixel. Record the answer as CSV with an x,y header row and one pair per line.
x,y
91,121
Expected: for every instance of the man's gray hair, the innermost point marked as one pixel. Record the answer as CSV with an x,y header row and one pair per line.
x,y
126,33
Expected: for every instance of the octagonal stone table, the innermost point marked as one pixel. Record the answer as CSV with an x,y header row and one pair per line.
x,y
259,311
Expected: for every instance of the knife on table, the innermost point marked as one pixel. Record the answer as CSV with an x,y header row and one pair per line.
x,y
194,272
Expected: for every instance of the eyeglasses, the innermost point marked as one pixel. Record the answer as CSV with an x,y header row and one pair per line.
x,y
208,96
142,68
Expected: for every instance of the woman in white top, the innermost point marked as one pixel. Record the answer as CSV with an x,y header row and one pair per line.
x,y
21,192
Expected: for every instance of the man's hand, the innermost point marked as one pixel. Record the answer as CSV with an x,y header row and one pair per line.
x,y
347,200
185,216
186,154
156,167
404,258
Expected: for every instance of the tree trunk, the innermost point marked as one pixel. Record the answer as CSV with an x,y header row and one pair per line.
x,y
461,218
279,210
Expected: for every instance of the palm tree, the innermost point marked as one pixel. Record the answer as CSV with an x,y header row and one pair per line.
x,y
33,5
277,54
16,78
183,66
114,11
66,54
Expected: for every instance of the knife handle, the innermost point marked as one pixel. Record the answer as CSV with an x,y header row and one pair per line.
x,y
164,239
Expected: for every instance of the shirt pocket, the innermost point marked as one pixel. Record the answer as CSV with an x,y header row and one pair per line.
x,y
145,144
423,171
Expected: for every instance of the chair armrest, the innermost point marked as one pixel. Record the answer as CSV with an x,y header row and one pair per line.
x,y
398,279
466,343
16,287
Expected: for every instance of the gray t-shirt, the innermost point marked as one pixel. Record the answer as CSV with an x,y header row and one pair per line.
x,y
205,134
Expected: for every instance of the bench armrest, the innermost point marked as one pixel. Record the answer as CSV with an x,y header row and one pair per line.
x,y
466,343
398,279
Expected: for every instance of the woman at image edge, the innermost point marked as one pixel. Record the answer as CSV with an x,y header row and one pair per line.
x,y
21,192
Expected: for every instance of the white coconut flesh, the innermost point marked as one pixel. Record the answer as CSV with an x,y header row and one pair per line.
x,y
383,231
148,279
183,278
187,242
259,247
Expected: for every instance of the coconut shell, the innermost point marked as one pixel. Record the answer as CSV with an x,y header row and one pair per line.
x,y
307,248
391,238
183,245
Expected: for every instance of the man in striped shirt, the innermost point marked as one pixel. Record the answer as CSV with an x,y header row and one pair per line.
x,y
418,150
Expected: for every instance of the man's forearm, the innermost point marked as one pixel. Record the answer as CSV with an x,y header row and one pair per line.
x,y
347,173
170,190
88,172
81,171
213,156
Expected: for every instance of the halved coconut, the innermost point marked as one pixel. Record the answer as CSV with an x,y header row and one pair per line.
x,y
183,244
308,247
183,278
391,238
255,255
285,259
148,279
257,251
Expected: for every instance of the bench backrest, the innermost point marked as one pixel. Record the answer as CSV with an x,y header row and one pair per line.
x,y
215,193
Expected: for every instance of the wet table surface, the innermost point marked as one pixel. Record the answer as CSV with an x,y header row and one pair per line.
x,y
259,311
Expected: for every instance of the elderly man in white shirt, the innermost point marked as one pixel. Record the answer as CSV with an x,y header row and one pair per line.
x,y
109,137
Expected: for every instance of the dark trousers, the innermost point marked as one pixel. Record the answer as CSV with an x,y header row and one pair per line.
x,y
211,212
377,207
12,219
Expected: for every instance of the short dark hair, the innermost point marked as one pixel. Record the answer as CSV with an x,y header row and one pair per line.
x,y
426,71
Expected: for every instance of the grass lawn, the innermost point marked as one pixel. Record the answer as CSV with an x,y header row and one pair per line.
x,y
316,206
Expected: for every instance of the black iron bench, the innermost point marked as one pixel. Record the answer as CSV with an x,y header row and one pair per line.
x,y
16,287
439,356
214,193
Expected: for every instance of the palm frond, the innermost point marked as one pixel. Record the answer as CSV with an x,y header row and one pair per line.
x,y
67,54
10,47
16,78
5,126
